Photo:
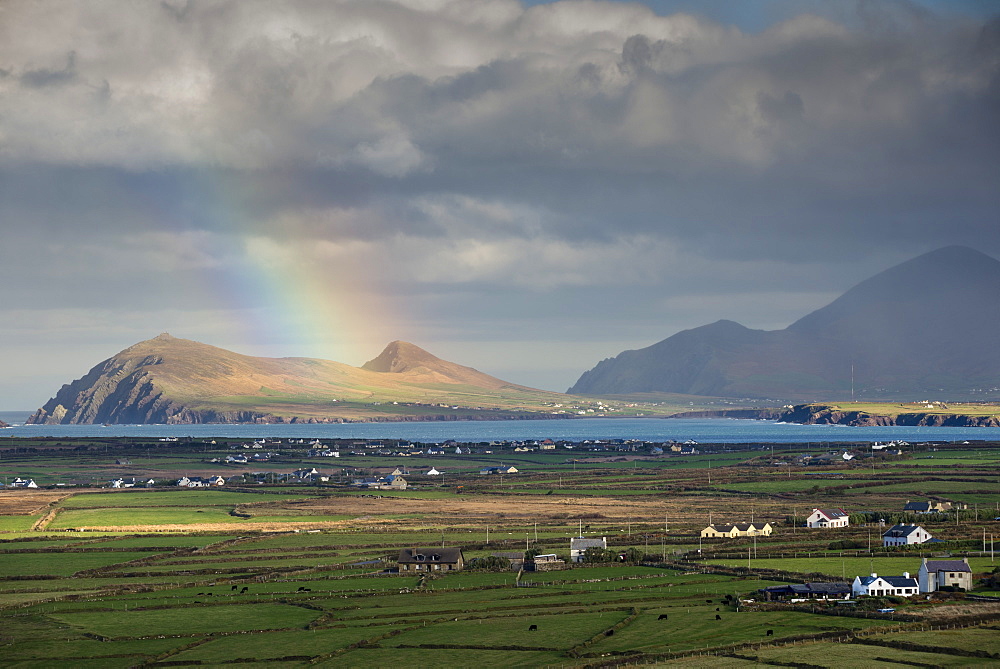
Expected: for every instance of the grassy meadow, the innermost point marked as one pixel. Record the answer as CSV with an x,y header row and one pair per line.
x,y
288,575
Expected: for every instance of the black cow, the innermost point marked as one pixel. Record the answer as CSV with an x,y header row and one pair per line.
x,y
663,616
532,628
609,633
708,601
770,633
718,617
243,590
717,608
234,587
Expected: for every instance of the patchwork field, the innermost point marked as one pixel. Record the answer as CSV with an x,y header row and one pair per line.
x,y
290,575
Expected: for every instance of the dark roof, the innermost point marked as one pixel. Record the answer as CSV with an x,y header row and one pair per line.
x,y
722,528
581,543
832,513
430,555
948,565
900,581
902,530
810,588
917,506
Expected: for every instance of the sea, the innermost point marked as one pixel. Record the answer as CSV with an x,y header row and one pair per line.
x,y
701,430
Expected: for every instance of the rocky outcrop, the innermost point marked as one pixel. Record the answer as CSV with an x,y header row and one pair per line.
x,y
818,414
3,424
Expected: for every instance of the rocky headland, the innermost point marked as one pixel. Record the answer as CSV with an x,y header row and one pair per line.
x,y
167,380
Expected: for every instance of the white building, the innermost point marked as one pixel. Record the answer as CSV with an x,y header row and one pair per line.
x,y
884,586
828,518
579,545
905,535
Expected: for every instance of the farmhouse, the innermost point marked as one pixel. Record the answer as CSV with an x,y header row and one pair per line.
x,y
936,574
905,535
827,518
796,592
579,545
432,472
927,507
737,530
883,586
498,470
23,483
430,559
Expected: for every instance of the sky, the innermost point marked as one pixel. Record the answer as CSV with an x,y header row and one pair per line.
x,y
525,188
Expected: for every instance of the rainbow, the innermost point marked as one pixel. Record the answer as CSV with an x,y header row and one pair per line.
x,y
288,291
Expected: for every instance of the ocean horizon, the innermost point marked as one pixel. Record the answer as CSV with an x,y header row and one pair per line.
x,y
702,430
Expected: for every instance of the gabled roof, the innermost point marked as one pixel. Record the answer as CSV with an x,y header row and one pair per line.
x,y
582,543
430,555
811,588
831,514
725,529
900,581
902,530
948,565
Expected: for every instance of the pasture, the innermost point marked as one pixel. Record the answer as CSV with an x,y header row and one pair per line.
x,y
302,575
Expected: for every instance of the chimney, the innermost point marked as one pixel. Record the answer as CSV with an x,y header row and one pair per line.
x,y
874,575
906,574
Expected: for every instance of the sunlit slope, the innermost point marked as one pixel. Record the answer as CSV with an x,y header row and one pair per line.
x,y
167,379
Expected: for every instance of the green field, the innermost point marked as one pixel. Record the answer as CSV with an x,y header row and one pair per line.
x,y
291,576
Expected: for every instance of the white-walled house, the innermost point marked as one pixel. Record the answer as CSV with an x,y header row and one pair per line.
x,y
882,586
905,535
579,545
828,518
935,574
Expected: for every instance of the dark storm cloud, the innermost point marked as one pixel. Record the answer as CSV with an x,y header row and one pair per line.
x,y
495,163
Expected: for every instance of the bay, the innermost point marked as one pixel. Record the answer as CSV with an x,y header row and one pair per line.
x,y
703,430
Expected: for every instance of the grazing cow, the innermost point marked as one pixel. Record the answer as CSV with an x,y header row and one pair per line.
x,y
532,628
234,587
718,617
243,590
200,594
663,616
708,601
770,632
301,589
609,633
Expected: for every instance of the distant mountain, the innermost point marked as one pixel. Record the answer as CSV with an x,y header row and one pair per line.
x,y
928,325
171,380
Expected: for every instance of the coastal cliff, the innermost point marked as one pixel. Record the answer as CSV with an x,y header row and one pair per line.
x,y
829,414
819,414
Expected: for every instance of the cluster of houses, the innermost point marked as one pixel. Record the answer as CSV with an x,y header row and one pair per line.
x,y
304,475
932,576
445,559
22,483
902,534
737,530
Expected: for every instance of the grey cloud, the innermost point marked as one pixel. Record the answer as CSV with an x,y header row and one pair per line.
x,y
497,164
43,77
